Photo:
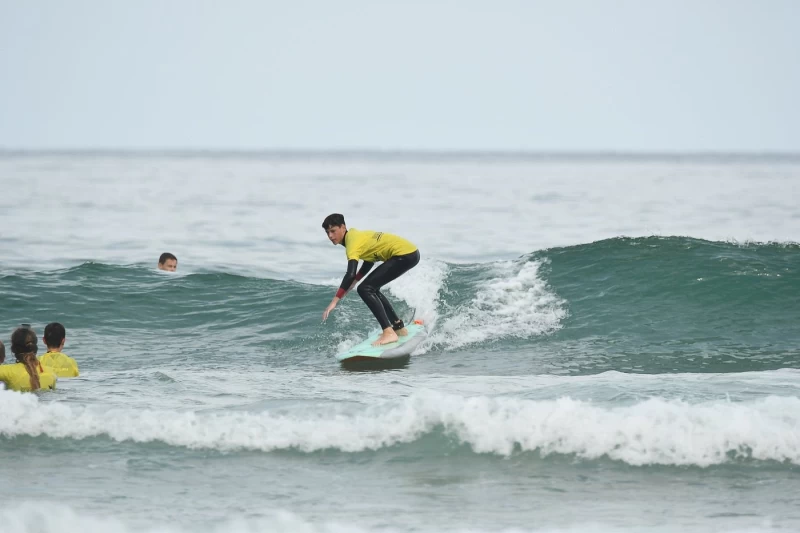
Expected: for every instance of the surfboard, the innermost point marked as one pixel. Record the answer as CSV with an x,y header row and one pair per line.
x,y
366,352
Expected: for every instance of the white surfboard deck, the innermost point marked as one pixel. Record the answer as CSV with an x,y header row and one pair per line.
x,y
395,350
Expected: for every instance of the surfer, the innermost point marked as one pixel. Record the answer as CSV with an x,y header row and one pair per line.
x,y
398,256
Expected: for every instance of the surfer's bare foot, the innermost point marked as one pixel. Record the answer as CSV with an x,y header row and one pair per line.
x,y
402,332
387,337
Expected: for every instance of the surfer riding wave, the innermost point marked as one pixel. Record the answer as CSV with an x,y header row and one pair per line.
x,y
398,256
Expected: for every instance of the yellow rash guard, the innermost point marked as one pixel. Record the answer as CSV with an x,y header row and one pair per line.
x,y
370,247
61,364
373,246
16,377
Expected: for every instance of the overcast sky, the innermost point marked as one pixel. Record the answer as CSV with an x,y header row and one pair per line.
x,y
561,75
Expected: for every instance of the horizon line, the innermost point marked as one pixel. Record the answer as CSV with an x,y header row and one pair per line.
x,y
404,152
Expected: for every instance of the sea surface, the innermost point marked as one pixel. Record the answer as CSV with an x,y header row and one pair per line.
x,y
614,344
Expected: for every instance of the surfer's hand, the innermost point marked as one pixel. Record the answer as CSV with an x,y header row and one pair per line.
x,y
328,311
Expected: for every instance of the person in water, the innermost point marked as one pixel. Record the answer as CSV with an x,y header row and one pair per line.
x,y
398,256
27,374
168,262
61,364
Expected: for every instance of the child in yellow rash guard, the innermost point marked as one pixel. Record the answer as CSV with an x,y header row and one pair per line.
x,y
398,256
28,374
16,377
61,364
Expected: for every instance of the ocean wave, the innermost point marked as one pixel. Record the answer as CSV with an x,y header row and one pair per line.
x,y
654,431
510,300
651,304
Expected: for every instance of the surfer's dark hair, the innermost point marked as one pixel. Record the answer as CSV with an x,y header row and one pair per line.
x,y
165,256
24,346
333,220
54,333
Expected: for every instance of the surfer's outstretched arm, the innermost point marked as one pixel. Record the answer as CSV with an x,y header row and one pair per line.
x,y
350,278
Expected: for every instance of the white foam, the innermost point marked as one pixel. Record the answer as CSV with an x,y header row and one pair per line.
x,y
421,289
655,431
516,302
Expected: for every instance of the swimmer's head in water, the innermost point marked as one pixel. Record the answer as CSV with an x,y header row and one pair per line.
x,y
168,262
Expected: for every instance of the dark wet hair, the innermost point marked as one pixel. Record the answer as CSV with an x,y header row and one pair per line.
x,y
25,346
54,333
165,256
2,352
333,220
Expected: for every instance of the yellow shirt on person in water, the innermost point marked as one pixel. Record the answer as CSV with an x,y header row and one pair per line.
x,y
374,246
61,364
16,377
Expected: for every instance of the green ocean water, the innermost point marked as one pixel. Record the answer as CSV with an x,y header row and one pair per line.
x,y
646,305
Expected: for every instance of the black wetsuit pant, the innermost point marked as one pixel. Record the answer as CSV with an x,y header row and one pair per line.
x,y
370,288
